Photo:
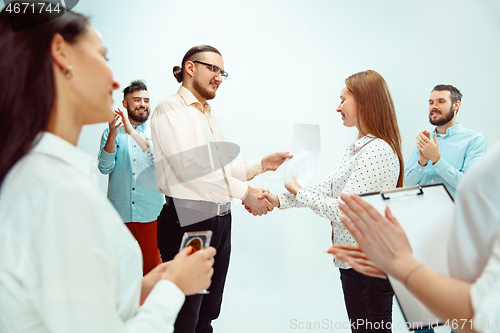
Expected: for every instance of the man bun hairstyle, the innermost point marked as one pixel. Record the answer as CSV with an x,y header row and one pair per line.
x,y
178,73
136,85
190,55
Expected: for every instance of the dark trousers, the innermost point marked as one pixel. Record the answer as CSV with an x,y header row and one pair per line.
x,y
198,311
368,301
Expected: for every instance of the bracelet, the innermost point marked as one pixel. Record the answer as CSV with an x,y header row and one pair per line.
x,y
411,272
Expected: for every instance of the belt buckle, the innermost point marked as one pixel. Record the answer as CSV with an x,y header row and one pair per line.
x,y
221,210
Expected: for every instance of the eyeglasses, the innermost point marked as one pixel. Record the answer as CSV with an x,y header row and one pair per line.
x,y
214,69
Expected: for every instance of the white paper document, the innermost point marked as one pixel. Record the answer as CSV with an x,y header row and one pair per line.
x,y
305,148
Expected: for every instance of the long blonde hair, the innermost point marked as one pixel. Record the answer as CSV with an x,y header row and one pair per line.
x,y
376,112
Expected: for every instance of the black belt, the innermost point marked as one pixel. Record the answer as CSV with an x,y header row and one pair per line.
x,y
202,206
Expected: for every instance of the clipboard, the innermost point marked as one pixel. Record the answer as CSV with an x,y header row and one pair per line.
x,y
426,214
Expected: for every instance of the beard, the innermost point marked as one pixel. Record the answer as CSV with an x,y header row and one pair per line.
x,y
446,117
203,91
138,117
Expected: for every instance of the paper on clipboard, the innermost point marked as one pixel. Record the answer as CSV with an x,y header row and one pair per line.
x,y
426,215
305,148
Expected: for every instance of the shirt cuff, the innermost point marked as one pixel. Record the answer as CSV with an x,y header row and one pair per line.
x,y
253,168
282,198
107,157
441,165
239,189
288,200
165,298
415,175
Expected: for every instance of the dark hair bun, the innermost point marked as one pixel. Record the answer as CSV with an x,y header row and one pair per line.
x,y
178,73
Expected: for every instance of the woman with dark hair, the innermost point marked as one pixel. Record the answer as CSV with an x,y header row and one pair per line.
x,y
73,265
372,163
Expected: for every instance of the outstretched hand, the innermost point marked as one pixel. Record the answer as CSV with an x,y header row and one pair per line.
x,y
271,162
254,205
293,186
113,125
272,198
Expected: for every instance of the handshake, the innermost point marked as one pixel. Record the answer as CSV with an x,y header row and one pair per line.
x,y
260,201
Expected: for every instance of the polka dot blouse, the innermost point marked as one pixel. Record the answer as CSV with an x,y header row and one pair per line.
x,y
368,165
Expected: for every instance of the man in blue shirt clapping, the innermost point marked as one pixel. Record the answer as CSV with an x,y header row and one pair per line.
x,y
126,154
445,154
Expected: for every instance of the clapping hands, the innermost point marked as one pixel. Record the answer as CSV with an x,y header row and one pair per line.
x,y
125,121
428,149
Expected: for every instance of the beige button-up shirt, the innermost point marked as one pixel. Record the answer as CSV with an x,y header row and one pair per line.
x,y
190,151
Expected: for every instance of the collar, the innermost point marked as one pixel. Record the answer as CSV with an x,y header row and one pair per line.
x,y
55,147
189,99
451,130
141,127
358,144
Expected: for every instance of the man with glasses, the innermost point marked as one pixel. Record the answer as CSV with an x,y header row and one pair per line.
x,y
196,170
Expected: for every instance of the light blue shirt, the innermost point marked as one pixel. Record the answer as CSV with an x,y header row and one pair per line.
x,y
126,167
459,148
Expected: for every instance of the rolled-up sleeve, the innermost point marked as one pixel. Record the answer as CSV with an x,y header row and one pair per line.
x,y
106,160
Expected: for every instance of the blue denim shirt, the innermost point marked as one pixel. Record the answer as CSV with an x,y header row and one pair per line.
x,y
127,167
459,148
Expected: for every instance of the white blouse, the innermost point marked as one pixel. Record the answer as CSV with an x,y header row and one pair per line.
x,y
67,261
368,165
474,246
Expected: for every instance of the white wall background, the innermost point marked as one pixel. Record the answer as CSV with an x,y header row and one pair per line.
x,y
287,62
